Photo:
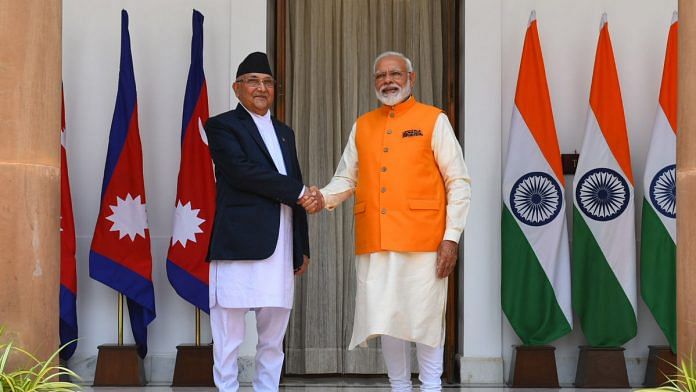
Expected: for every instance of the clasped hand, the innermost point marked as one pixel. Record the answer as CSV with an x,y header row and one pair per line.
x,y
312,200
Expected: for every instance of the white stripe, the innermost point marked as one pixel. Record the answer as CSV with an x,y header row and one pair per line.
x,y
663,152
617,237
549,242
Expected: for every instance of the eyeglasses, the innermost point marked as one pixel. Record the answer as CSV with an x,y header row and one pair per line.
x,y
393,75
256,83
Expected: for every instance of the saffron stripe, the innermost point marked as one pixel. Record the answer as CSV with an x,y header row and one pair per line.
x,y
534,102
607,105
668,91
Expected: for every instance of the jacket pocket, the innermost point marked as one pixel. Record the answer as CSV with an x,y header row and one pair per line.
x,y
416,204
358,208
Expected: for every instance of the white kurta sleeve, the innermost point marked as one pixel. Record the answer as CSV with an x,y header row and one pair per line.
x,y
450,159
345,179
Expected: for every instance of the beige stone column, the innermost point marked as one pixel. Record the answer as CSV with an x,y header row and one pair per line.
x,y
30,101
686,182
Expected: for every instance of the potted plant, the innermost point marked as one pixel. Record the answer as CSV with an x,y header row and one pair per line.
x,y
36,376
683,381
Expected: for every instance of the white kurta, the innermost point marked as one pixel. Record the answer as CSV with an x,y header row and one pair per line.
x,y
398,293
258,283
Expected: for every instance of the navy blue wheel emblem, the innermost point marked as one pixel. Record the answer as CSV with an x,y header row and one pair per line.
x,y
602,194
536,198
663,191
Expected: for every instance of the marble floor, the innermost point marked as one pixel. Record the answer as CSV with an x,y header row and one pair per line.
x,y
339,385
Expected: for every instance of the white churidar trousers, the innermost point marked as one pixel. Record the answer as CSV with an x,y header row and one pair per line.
x,y
228,329
397,357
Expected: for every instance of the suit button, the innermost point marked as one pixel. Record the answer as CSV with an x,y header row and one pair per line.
x,y
391,114
384,189
384,211
389,131
386,149
384,169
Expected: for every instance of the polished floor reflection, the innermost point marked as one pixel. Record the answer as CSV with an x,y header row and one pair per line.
x,y
341,387
336,384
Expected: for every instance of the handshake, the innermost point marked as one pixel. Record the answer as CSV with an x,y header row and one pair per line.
x,y
312,200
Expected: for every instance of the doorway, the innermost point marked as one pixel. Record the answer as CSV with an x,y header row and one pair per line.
x,y
323,52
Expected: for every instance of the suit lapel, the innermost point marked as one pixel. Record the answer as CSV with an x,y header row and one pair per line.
x,y
283,140
248,122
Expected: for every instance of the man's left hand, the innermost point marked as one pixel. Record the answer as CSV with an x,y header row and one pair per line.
x,y
303,267
446,258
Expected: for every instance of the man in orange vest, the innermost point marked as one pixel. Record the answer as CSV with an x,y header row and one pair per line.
x,y
406,168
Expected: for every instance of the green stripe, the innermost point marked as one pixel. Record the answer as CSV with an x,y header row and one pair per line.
x,y
606,315
658,255
528,299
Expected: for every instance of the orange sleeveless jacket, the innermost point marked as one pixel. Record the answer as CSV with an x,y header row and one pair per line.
x,y
400,199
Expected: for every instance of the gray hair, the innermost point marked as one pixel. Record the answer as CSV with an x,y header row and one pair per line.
x,y
389,53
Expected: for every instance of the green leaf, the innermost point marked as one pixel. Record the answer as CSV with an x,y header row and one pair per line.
x,y
40,376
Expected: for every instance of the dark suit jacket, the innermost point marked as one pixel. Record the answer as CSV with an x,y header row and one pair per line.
x,y
250,190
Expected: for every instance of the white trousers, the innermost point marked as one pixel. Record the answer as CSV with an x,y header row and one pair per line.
x,y
227,326
397,357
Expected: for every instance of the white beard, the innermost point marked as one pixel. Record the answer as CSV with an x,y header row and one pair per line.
x,y
392,99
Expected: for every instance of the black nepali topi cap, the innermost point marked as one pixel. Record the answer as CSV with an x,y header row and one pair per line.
x,y
256,62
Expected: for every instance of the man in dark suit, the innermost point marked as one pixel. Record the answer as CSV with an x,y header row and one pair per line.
x,y
260,238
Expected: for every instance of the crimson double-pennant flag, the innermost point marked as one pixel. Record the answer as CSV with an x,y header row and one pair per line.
x,y
120,253
68,265
195,200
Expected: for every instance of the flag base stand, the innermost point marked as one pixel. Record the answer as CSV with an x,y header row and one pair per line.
x,y
119,366
601,367
662,364
194,366
534,367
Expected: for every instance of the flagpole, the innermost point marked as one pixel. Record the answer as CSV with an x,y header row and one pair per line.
x,y
198,326
120,319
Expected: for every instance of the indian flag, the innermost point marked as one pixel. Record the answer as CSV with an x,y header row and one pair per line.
x,y
535,257
659,231
604,253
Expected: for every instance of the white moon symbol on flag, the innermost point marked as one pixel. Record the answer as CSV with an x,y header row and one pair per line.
x,y
201,130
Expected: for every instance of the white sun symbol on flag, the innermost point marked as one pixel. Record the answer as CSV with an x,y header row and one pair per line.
x,y
129,217
186,224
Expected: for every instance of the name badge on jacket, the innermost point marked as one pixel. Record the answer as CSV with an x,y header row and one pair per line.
x,y
412,132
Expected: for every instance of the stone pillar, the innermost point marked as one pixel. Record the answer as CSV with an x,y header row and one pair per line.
x,y
30,102
686,182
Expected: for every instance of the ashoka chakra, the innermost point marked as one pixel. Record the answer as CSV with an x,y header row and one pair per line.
x,y
602,194
663,191
536,198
